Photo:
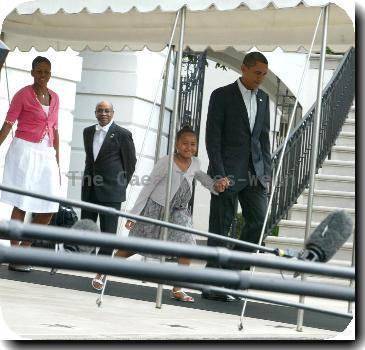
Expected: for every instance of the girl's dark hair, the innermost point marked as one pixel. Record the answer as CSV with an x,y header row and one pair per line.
x,y
40,59
185,129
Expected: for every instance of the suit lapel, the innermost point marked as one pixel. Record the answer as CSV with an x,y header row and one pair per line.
x,y
89,141
241,103
259,113
106,140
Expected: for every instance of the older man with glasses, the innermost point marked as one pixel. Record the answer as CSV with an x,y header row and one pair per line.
x,y
109,166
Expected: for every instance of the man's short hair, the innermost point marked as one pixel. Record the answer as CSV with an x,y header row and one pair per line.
x,y
251,58
109,103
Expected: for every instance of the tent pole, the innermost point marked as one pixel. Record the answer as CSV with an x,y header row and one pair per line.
x,y
172,140
349,306
276,115
163,105
314,151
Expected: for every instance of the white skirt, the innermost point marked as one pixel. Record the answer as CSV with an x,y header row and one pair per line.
x,y
32,167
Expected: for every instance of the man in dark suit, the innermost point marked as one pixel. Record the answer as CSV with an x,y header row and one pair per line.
x,y
109,166
238,146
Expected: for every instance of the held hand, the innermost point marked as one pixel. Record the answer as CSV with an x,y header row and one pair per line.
x,y
227,182
129,224
221,185
218,187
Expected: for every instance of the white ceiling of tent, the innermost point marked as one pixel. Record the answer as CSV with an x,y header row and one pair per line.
x,y
136,24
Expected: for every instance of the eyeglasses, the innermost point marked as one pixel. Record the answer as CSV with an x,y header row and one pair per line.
x,y
101,110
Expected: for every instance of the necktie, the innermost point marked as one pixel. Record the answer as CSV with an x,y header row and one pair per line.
x,y
100,128
98,139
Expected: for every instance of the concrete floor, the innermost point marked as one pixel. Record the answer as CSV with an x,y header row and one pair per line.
x,y
39,312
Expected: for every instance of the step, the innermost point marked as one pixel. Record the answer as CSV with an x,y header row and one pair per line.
x,y
330,198
352,113
298,212
338,167
343,153
335,182
349,125
343,254
346,139
296,229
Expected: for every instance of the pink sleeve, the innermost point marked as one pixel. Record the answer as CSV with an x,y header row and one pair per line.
x,y
15,108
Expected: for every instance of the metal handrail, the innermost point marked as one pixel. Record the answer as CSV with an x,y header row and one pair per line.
x,y
337,99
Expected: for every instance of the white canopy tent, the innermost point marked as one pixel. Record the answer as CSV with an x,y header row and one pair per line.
x,y
215,24
135,24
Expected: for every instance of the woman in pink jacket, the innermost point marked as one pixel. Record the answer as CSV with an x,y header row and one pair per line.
x,y
32,161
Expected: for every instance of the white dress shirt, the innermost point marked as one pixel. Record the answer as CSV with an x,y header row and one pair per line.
x,y
99,137
249,97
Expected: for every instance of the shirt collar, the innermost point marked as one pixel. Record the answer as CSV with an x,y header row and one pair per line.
x,y
104,128
243,89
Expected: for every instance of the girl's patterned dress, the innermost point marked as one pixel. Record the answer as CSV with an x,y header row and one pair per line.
x,y
179,214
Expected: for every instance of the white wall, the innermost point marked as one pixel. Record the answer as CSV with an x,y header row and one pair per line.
x,y
289,68
129,80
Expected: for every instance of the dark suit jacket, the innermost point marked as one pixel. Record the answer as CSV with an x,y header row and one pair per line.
x,y
229,141
107,177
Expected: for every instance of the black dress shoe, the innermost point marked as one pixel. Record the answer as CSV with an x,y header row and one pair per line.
x,y
20,267
218,297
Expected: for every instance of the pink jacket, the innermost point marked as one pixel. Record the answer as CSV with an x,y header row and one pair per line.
x,y
33,123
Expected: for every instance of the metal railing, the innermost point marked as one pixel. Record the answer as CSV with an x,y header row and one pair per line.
x,y
294,175
285,101
191,95
191,89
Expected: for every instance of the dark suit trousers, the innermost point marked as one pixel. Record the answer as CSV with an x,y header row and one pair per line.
x,y
253,201
108,223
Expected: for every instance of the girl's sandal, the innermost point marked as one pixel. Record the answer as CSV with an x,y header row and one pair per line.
x,y
181,296
98,282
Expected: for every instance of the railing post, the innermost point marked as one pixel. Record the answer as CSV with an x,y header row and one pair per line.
x,y
163,104
349,307
314,151
172,142
276,115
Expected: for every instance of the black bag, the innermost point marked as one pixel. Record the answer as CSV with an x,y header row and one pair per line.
x,y
65,217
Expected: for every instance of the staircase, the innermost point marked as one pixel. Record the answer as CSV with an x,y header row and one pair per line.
x,y
334,190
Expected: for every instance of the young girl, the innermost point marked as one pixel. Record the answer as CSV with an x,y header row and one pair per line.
x,y
151,200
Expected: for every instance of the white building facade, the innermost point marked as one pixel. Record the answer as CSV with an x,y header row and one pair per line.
x,y
131,81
